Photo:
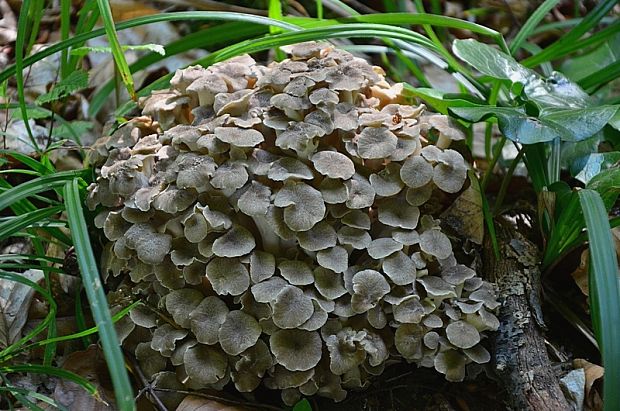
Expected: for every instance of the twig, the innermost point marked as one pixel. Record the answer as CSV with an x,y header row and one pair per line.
x,y
254,405
145,383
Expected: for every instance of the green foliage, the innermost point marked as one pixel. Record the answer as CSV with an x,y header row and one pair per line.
x,y
605,292
96,297
564,124
117,51
302,405
75,81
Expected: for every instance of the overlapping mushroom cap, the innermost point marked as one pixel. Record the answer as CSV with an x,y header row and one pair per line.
x,y
273,218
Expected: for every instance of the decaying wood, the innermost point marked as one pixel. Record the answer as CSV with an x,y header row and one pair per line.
x,y
520,357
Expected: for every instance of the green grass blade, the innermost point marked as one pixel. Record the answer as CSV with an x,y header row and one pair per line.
x,y
22,29
588,23
31,257
97,299
28,393
35,14
566,24
44,183
17,223
531,24
57,372
81,334
87,18
599,78
117,51
421,19
65,27
141,21
200,39
604,293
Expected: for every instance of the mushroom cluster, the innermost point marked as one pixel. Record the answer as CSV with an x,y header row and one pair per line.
x,y
270,218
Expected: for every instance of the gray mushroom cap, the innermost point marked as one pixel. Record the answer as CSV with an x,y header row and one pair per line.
x,y
296,350
238,332
333,164
369,287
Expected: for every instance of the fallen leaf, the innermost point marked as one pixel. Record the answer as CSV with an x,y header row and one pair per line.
x,y
195,403
89,364
580,275
8,23
15,300
465,215
593,373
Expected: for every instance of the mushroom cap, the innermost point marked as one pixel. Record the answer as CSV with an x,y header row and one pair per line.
x,y
296,350
238,332
333,164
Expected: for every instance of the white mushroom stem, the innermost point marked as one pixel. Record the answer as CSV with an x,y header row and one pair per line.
x,y
346,96
271,242
443,141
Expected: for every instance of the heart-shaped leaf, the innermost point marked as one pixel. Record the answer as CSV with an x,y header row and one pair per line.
x,y
566,124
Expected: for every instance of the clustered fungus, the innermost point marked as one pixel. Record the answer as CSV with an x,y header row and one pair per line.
x,y
271,220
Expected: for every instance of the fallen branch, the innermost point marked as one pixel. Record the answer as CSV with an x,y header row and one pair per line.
x,y
520,356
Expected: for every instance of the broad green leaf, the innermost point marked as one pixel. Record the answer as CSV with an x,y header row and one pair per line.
x,y
556,91
607,184
75,81
514,123
565,124
491,62
615,121
589,166
582,123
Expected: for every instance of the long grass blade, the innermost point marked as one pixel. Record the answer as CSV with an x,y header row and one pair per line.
x,y
117,51
604,293
22,29
200,39
141,21
17,223
531,23
589,22
37,185
96,297
57,372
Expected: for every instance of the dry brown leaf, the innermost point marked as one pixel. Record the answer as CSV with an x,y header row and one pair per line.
x,y
593,373
465,215
126,10
91,365
8,23
15,301
580,275
615,232
195,403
